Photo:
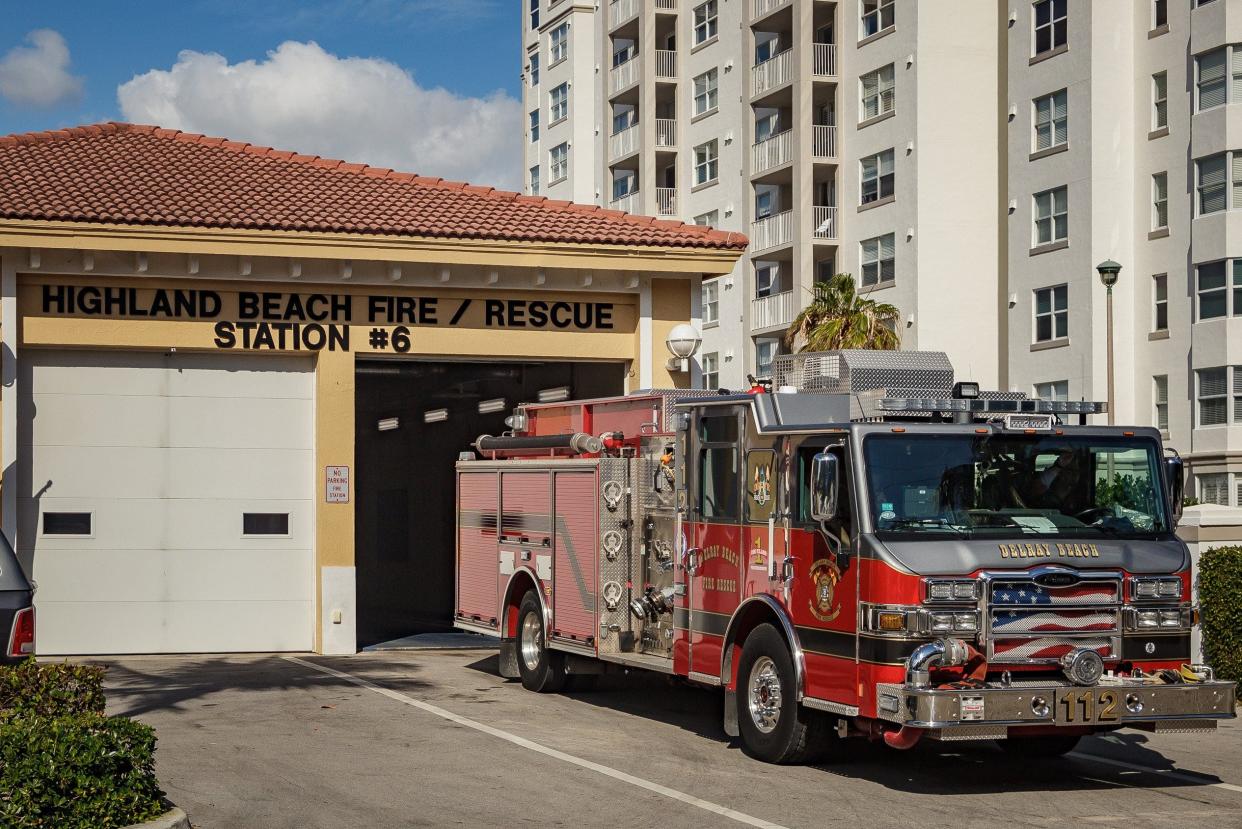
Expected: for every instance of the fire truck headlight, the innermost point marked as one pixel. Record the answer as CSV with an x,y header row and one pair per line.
x,y
951,590
1171,619
941,622
965,622
1147,619
1158,588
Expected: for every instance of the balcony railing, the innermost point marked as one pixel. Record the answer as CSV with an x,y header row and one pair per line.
x,y
666,63
623,75
623,143
771,152
629,203
666,132
773,72
761,7
772,231
824,59
773,310
666,5
825,222
823,141
666,201
620,11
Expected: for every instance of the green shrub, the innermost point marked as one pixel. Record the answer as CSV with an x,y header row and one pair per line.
x,y
53,689
77,772
1220,597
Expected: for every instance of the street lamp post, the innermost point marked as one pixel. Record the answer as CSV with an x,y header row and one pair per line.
x,y
1108,270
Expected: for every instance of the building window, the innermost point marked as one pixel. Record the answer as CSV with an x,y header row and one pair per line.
x,y
878,258
1051,313
624,183
1160,399
558,103
767,279
1051,121
1212,280
705,96
877,177
558,47
1160,201
534,126
766,349
1054,390
705,22
877,15
1160,302
534,14
1159,13
624,52
1210,80
68,523
1160,100
1213,396
706,164
1051,216
711,302
1050,23
1211,183
534,69
765,201
558,163
879,93
709,219
534,180
711,370
1213,487
265,523
623,118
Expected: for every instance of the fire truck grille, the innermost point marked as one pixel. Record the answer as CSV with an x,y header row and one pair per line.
x,y
1030,622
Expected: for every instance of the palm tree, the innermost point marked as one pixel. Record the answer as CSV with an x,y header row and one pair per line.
x,y
839,318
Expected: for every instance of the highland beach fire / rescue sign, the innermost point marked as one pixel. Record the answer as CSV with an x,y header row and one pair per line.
x,y
282,321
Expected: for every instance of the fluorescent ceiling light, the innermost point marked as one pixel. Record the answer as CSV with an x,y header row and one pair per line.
x,y
435,416
492,406
555,395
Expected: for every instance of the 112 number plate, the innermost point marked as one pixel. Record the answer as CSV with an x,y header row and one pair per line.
x,y
1083,706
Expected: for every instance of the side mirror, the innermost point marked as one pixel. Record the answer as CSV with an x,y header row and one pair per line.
x,y
1174,474
825,486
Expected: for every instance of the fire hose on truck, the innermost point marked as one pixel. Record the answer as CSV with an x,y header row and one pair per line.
x,y
863,548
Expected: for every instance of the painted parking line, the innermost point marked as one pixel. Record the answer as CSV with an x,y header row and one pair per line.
x,y
530,745
1169,773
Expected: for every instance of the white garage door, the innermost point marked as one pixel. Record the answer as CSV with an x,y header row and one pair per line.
x,y
166,501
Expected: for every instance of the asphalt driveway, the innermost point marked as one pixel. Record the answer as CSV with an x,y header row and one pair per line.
x,y
437,738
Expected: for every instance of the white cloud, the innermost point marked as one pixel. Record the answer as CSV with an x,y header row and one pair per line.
x,y
357,109
38,74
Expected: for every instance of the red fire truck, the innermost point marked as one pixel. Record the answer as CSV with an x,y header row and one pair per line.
x,y
862,548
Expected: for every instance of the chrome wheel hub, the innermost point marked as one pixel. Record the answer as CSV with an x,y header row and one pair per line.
x,y
529,641
763,695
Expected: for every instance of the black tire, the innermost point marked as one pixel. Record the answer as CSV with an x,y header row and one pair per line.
x,y
540,669
1048,745
789,733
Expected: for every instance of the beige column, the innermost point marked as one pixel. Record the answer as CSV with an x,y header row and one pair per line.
x,y
336,606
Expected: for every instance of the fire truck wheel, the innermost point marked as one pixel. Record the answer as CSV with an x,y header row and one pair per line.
x,y
1049,745
541,669
775,728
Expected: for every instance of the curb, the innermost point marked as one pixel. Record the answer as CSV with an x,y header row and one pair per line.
x,y
174,818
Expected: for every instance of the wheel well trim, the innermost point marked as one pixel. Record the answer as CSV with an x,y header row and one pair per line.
x,y
509,597
787,628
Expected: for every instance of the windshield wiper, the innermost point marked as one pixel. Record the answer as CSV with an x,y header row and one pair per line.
x,y
929,523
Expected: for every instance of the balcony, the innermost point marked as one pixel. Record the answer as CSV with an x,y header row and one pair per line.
x,y
666,5
623,76
666,133
823,141
771,152
824,60
629,203
773,72
759,8
824,221
619,11
771,311
622,143
771,231
666,201
666,63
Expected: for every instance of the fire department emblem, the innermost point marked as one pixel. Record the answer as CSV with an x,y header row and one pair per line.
x,y
761,486
824,578
758,556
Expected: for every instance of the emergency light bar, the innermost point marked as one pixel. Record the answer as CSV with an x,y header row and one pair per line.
x,y
926,404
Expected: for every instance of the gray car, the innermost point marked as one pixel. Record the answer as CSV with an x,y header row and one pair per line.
x,y
17,616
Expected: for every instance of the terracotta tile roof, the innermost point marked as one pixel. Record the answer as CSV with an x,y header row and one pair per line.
x,y
141,175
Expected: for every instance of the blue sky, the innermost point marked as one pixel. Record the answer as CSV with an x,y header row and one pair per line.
x,y
458,53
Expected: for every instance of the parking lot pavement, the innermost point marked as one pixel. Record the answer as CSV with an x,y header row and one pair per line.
x,y
437,738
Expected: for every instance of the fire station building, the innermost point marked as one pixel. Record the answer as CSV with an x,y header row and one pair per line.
x,y
236,380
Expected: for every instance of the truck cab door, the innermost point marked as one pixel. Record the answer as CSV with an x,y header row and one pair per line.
x,y
712,563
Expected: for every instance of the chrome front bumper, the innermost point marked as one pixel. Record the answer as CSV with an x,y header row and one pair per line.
x,y
989,712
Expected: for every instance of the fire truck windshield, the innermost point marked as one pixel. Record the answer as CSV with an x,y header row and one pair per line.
x,y
988,486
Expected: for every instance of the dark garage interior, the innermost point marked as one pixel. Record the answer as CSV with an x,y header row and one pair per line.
x,y
404,539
